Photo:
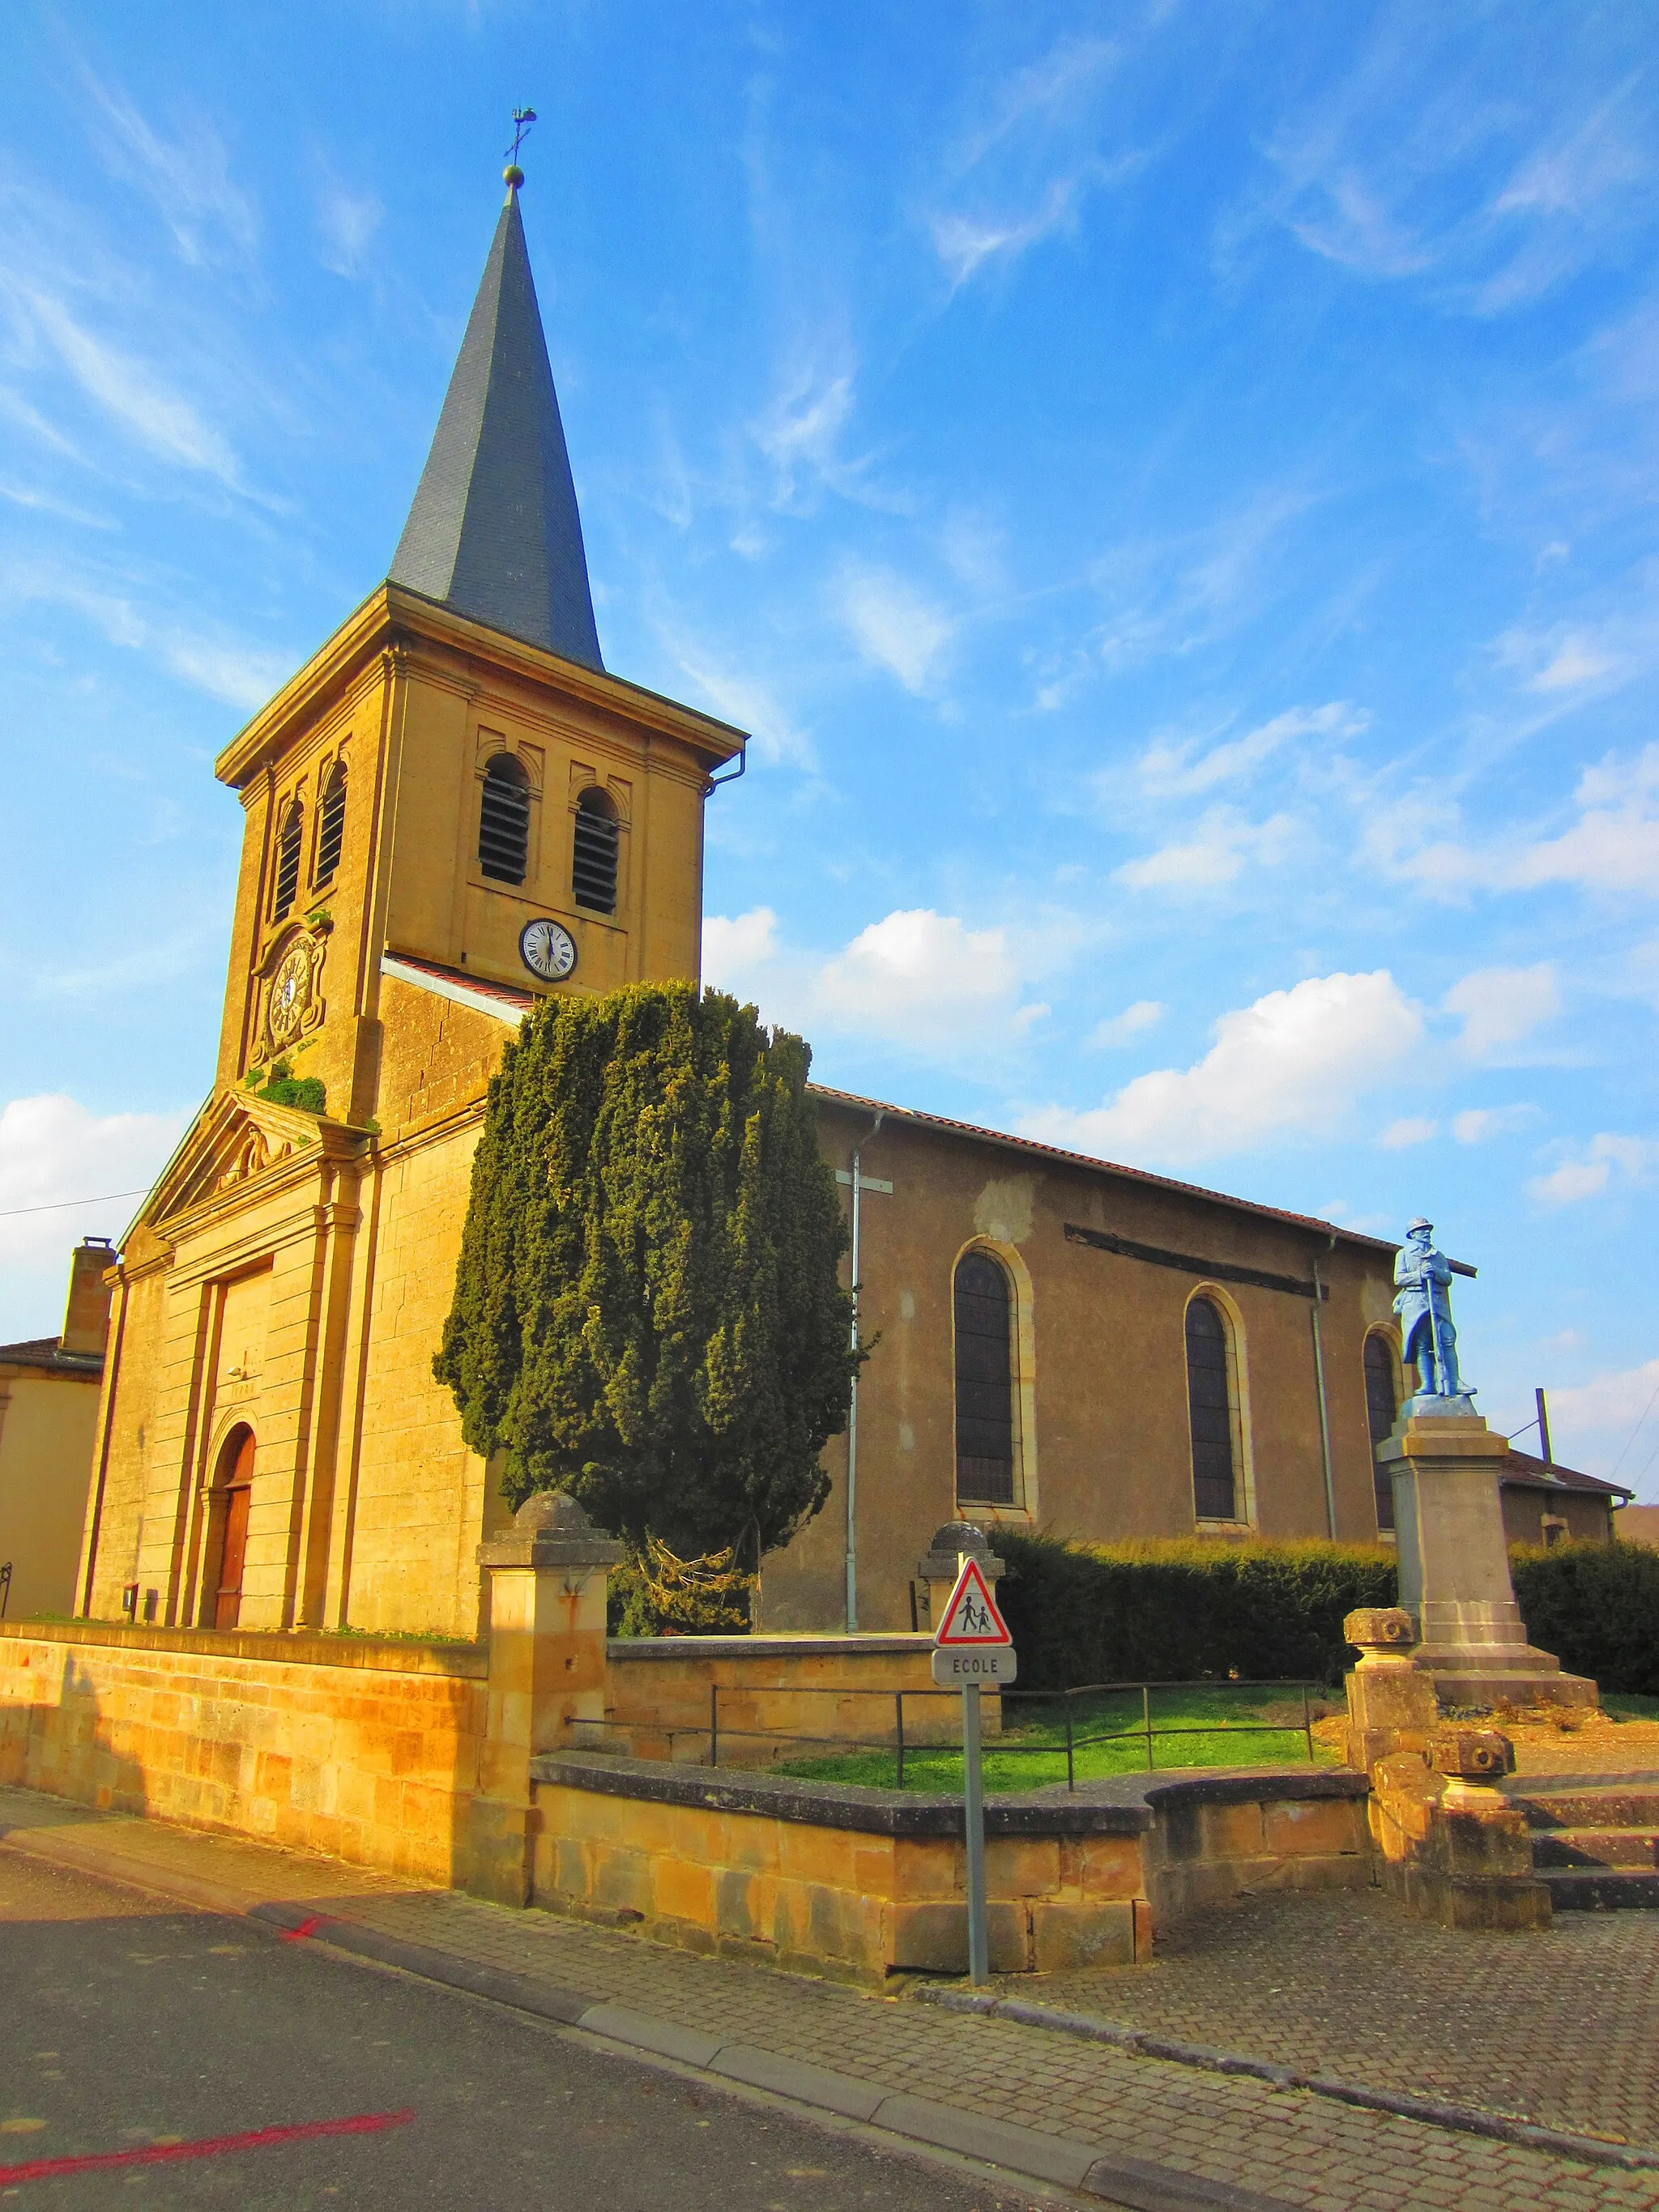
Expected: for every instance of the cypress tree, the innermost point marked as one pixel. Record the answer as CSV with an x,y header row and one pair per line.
x,y
648,1310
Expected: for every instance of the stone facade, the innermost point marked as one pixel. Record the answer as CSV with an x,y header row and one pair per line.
x,y
48,1410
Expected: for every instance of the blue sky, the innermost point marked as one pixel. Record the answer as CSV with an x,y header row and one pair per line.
x,y
1172,489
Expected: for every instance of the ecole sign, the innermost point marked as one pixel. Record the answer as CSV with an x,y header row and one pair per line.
x,y
973,1647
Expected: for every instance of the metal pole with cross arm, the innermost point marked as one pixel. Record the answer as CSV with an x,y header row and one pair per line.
x,y
973,1651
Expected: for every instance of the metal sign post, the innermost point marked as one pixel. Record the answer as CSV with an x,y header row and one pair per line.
x,y
972,1649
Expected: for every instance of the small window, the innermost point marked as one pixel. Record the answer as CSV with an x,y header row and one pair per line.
x,y
288,860
1210,1401
1380,1412
504,821
984,1392
331,825
593,867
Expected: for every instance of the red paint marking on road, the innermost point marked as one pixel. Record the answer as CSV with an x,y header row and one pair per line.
x,y
361,2124
308,1927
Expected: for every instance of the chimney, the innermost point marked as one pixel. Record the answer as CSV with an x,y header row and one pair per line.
x,y
85,1319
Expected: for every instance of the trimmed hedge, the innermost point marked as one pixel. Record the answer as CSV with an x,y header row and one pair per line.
x,y
1182,1609
1596,1607
1179,1610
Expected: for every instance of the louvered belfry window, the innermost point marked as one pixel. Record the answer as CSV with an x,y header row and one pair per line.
x,y
985,1383
1209,1405
504,822
330,823
1380,1411
594,864
288,860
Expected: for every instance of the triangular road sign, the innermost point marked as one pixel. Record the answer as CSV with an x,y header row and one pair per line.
x,y
971,1616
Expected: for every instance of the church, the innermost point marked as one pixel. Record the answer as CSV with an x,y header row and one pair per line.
x,y
451,811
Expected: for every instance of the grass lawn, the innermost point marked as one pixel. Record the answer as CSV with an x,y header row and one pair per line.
x,y
1221,1724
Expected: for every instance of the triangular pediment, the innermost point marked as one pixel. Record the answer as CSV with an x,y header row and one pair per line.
x,y
239,1139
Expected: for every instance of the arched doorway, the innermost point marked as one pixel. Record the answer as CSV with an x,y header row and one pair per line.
x,y
233,1485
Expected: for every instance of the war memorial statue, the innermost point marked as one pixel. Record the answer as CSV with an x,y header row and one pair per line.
x,y
1423,1301
1445,1466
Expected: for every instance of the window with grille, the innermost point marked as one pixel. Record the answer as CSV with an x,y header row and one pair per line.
x,y
1380,1410
1211,1402
330,823
287,860
985,1383
504,821
594,864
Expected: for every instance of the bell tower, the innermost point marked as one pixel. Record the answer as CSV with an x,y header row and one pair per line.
x,y
455,779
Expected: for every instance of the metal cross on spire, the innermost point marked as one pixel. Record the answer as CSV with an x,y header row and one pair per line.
x,y
522,119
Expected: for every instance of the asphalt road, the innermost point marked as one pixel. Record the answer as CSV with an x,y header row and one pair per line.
x,y
125,2027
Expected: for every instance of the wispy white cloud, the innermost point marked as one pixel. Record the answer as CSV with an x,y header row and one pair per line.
x,y
1293,1064
1606,1162
1024,170
1390,175
132,394
1177,767
1223,844
1478,1125
347,221
1410,1129
1168,595
737,695
894,625
1611,849
1122,1028
217,663
1501,1007
1608,1425
186,175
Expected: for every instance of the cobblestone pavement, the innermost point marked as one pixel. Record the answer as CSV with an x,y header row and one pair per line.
x,y
1292,2146
1561,2028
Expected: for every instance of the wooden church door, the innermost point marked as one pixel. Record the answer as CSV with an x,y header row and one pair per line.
x,y
228,1597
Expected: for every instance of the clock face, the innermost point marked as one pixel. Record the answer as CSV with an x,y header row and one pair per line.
x,y
290,995
547,950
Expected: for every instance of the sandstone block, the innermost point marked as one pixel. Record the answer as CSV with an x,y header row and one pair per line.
x,y
1065,1934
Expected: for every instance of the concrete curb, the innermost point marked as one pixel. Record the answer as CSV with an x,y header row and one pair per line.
x,y
1140,2043
1027,2152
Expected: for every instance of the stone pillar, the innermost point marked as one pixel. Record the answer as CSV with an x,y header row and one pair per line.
x,y
548,1580
937,1573
1478,1869
1455,1564
1391,1705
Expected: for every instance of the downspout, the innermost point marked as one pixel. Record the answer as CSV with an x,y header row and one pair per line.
x,y
1324,1411
715,782
853,1400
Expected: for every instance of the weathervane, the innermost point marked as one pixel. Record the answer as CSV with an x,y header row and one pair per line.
x,y
522,119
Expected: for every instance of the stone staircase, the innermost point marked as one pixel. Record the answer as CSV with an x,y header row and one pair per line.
x,y
1595,1838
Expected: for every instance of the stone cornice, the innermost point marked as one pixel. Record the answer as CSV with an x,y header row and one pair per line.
x,y
394,615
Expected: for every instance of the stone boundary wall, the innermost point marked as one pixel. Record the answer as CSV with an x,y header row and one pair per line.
x,y
367,1749
1219,1837
657,1695
866,1883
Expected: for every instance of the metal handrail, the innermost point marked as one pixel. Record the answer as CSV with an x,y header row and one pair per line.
x,y
1074,1742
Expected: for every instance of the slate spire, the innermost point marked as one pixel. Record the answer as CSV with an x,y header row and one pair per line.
x,y
493,531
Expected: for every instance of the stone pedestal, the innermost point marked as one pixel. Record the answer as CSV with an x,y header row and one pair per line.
x,y
1454,1565
938,1570
548,1581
